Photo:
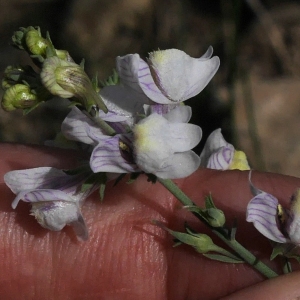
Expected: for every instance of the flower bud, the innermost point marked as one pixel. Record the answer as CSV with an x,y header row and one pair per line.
x,y
35,43
201,242
215,217
67,79
18,96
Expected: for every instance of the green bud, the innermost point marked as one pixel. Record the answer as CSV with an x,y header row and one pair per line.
x,y
67,79
215,217
64,55
35,43
18,96
201,242
30,39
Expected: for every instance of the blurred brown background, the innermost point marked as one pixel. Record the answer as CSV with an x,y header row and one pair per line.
x,y
255,96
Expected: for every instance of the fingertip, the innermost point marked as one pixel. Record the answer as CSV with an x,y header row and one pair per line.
x,y
285,287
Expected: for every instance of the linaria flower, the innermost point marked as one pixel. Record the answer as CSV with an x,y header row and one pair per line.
x,y
170,76
220,155
162,144
271,219
55,196
159,144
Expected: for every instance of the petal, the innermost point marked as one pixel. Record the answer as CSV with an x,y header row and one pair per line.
x,y
183,137
293,220
80,228
123,104
179,165
213,144
208,54
221,159
180,76
135,73
107,157
127,67
255,191
123,101
262,211
180,114
56,215
30,179
41,195
77,124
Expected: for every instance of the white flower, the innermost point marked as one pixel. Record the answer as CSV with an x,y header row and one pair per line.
x,y
55,197
220,155
162,144
170,76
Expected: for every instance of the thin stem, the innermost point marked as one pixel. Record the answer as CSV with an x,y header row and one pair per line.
x,y
225,252
246,255
104,126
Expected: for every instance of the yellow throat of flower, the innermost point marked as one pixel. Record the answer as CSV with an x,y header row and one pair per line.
x,y
239,161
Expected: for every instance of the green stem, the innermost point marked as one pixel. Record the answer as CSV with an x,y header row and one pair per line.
x,y
104,126
246,255
225,252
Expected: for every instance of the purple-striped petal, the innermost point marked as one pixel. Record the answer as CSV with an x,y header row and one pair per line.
x,y
76,125
262,211
36,178
41,195
221,159
107,156
217,153
135,73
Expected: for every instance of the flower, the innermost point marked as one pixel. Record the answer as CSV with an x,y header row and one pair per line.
x,y
270,219
171,76
162,144
159,144
55,196
220,155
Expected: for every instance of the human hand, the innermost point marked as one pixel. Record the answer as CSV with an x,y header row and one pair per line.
x,y
126,256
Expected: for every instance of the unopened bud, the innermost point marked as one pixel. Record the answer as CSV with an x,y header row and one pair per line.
x,y
35,43
215,217
18,96
67,79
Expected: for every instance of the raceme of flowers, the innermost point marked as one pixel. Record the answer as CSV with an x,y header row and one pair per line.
x,y
148,131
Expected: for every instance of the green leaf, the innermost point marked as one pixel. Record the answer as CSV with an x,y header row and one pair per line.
x,y
102,190
209,202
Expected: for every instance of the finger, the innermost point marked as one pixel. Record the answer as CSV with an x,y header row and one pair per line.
x,y
284,287
126,255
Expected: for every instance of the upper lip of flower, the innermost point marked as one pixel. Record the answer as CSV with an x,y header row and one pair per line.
x,y
173,77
